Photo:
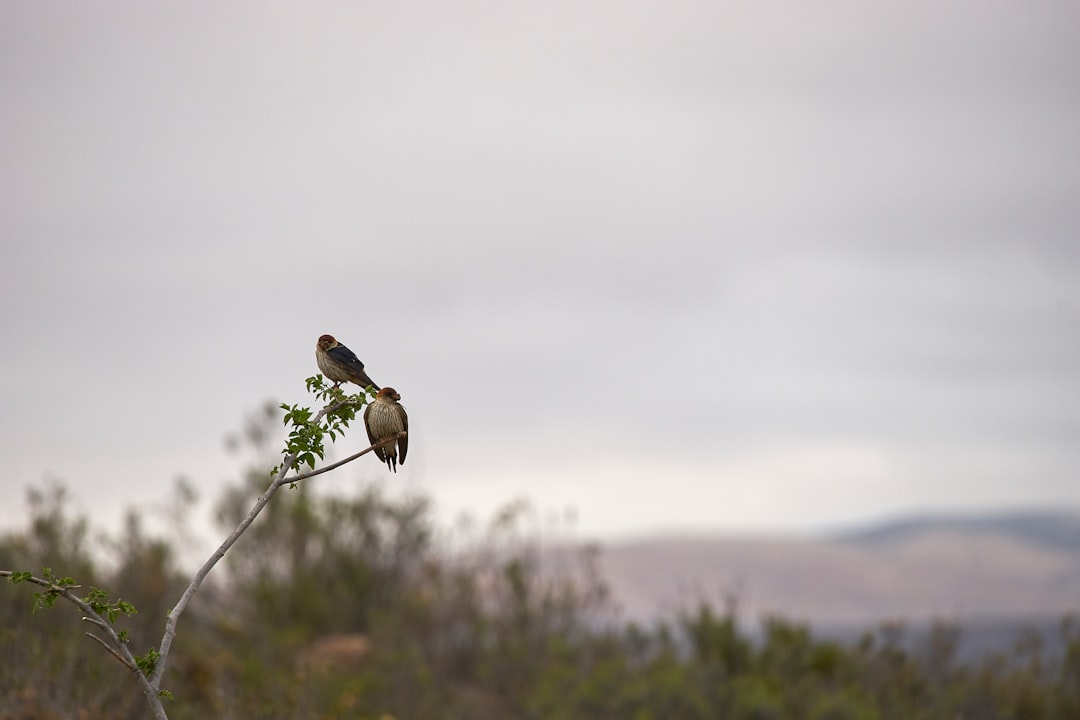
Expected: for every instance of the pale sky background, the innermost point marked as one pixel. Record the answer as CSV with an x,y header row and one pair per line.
x,y
672,265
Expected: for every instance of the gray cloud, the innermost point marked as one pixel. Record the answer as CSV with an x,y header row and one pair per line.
x,y
772,253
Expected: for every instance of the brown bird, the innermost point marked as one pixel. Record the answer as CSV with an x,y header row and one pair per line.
x,y
385,418
340,364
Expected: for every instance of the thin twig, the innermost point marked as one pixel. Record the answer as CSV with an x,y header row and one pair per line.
x,y
115,654
95,621
339,463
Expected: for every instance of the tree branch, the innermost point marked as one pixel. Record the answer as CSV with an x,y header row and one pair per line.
x,y
278,481
339,463
95,621
192,588
115,654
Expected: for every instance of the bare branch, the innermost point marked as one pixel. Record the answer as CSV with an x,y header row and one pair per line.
x,y
339,463
115,654
94,621
192,588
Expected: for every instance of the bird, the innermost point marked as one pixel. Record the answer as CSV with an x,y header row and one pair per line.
x,y
340,364
385,418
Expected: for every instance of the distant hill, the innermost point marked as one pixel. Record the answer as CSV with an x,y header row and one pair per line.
x,y
966,569
1053,530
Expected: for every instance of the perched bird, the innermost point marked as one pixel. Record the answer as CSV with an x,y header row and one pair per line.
x,y
339,363
384,418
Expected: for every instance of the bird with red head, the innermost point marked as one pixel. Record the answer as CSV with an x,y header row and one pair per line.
x,y
384,418
340,364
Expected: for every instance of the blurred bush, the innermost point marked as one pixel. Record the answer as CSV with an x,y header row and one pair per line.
x,y
333,607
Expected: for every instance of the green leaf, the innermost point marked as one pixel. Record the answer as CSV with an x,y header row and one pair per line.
x,y
45,599
147,662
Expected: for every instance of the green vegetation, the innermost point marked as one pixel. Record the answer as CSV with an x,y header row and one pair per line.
x,y
332,607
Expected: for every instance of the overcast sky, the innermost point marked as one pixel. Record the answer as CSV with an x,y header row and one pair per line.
x,y
669,265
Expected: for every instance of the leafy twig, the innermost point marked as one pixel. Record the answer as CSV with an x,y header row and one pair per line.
x,y
95,603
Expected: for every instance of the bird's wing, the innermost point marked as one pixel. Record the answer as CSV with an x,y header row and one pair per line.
x,y
345,356
361,378
347,359
403,443
379,451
